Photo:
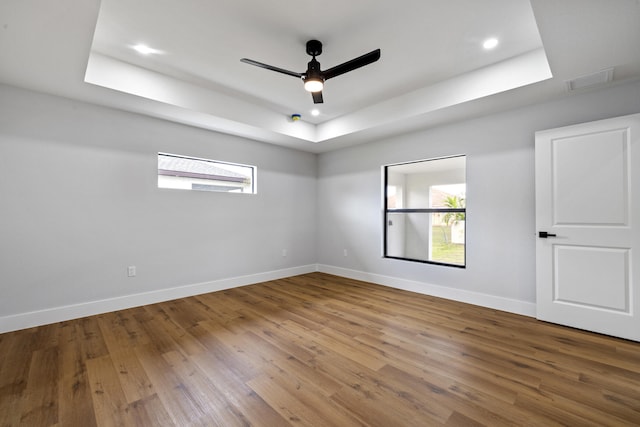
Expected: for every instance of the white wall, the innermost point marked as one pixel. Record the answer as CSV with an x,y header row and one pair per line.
x,y
500,222
79,203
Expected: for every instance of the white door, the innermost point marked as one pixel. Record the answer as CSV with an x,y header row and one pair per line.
x,y
588,203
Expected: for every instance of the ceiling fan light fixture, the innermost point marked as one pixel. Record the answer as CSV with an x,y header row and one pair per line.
x,y
313,84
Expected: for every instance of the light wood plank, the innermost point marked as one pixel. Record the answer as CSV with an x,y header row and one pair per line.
x,y
40,405
316,350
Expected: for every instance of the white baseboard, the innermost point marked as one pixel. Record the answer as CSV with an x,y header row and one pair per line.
x,y
490,301
59,314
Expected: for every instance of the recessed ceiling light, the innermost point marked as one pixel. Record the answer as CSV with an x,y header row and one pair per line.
x,y
144,49
315,112
490,43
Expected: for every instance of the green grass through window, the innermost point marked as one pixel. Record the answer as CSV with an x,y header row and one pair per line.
x,y
442,249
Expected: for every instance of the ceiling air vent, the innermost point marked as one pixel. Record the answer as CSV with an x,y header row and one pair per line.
x,y
590,80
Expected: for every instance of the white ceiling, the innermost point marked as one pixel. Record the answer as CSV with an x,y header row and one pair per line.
x,y
432,70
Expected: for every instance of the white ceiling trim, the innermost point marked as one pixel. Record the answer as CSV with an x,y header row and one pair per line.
x,y
228,114
513,73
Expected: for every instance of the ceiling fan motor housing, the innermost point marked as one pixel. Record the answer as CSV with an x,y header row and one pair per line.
x,y
313,71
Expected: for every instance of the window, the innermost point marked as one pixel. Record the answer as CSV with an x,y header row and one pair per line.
x,y
192,173
425,211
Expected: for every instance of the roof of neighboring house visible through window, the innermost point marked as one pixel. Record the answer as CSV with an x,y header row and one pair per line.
x,y
195,168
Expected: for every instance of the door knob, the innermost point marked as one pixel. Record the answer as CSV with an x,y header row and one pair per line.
x,y
544,234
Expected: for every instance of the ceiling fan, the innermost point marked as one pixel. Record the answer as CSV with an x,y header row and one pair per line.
x,y
314,78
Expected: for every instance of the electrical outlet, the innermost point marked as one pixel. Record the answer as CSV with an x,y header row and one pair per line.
x,y
345,253
284,252
131,271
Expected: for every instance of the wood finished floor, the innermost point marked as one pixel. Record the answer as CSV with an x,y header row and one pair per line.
x,y
315,350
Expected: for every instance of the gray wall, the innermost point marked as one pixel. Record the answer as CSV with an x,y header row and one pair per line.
x,y
79,203
500,197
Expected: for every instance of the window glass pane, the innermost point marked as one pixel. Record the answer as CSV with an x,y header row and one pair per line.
x,y
192,173
392,197
425,211
418,178
448,238
426,237
448,196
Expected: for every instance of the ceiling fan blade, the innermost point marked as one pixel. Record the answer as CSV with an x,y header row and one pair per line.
x,y
271,67
358,62
317,97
